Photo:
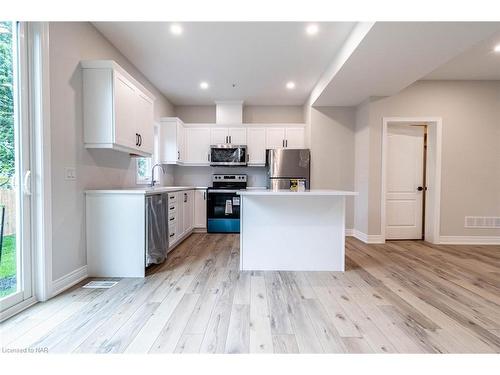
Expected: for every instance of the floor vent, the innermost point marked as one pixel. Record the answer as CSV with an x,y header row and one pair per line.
x,y
100,284
488,222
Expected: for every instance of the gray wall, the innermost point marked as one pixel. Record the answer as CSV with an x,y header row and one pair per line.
x,y
70,43
470,182
251,114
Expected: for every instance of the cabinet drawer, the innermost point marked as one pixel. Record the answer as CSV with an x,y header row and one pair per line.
x,y
172,217
172,234
172,207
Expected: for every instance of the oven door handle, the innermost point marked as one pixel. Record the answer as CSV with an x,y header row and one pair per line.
x,y
217,191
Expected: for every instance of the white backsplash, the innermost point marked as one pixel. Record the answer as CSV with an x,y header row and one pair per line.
x,y
202,176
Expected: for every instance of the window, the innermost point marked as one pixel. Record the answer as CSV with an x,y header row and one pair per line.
x,y
143,166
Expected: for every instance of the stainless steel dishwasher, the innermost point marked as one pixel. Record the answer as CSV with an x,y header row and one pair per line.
x,y
156,228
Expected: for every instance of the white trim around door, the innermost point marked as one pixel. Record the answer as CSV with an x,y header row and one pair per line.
x,y
433,174
39,79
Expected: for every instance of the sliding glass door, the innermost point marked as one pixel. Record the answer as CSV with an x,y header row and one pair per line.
x,y
15,175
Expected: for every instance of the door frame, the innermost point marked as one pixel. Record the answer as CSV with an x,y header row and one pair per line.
x,y
432,207
37,105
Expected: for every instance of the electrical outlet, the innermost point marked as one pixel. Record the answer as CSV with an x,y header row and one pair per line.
x,y
69,173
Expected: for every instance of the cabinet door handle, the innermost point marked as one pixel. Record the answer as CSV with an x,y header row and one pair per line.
x,y
230,141
140,140
136,139
283,142
286,143
204,195
178,155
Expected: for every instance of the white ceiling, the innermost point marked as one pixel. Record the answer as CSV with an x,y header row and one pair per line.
x,y
477,63
393,55
259,57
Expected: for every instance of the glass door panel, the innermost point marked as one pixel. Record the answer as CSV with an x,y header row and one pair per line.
x,y
15,250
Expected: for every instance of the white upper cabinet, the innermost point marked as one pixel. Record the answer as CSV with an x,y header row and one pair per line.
x,y
219,136
197,144
189,144
145,115
235,136
275,138
117,110
256,146
171,141
294,138
287,137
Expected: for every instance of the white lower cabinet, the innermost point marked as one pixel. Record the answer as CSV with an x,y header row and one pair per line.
x,y
200,209
181,216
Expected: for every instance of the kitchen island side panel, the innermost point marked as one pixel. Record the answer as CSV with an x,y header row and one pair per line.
x,y
299,233
115,235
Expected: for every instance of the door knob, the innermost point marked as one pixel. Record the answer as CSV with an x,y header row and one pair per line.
x,y
420,188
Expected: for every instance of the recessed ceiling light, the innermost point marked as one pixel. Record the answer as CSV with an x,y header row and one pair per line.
x,y
204,85
176,29
497,48
290,85
312,29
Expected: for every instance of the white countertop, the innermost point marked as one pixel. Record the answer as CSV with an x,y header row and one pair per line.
x,y
146,190
312,192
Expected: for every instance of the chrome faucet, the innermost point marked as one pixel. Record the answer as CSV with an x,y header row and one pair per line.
x,y
152,173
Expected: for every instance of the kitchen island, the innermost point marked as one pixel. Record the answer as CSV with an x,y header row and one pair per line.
x,y
293,231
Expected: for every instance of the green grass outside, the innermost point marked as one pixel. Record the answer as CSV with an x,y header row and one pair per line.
x,y
8,262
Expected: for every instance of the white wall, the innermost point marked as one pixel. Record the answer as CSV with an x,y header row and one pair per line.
x,y
332,151
470,153
70,43
361,167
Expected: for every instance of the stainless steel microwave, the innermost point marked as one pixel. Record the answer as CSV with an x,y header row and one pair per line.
x,y
228,155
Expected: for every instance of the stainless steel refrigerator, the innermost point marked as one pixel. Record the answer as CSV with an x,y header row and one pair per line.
x,y
283,165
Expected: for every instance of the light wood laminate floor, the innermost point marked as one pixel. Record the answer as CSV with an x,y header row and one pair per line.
x,y
404,297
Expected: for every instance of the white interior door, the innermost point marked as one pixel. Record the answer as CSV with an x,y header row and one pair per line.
x,y
405,182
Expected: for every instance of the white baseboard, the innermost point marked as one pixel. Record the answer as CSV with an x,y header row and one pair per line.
x,y
368,238
469,240
67,281
349,232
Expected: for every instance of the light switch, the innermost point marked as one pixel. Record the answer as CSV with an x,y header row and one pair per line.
x,y
69,173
